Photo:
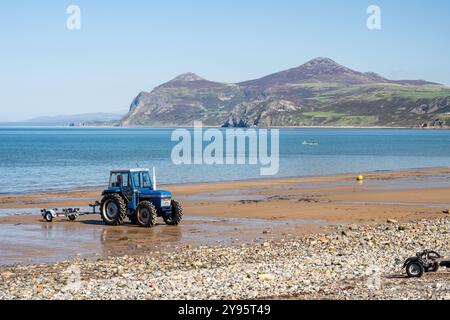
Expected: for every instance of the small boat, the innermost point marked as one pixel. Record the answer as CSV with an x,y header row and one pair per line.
x,y
310,143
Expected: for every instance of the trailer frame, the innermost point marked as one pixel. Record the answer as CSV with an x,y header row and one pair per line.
x,y
71,213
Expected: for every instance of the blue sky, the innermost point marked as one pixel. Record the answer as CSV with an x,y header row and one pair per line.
x,y
125,47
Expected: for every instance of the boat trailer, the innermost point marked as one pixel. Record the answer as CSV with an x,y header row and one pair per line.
x,y
71,213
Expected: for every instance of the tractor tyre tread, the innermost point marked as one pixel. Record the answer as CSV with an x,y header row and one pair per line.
x,y
122,209
153,214
176,215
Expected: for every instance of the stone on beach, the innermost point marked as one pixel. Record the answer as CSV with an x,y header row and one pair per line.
x,y
364,264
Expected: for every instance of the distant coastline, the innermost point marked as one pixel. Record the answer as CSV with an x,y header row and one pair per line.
x,y
21,125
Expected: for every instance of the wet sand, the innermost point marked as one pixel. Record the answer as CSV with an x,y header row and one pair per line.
x,y
229,213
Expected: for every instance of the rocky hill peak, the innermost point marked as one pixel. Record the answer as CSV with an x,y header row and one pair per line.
x,y
189,76
189,80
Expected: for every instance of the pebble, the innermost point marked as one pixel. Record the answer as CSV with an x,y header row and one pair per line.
x,y
266,277
7,274
364,263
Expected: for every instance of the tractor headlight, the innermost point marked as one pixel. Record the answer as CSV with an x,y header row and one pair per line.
x,y
165,202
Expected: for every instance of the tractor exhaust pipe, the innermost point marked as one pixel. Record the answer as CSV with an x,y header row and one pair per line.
x,y
154,178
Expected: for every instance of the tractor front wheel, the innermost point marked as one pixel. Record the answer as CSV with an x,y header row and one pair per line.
x,y
176,215
146,214
113,209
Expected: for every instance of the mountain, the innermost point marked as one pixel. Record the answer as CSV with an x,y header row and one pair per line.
x,y
320,92
320,70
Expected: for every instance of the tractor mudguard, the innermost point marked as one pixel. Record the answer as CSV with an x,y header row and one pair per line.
x,y
109,191
115,191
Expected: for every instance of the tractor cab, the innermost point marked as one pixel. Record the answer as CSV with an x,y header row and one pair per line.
x,y
130,182
130,178
132,189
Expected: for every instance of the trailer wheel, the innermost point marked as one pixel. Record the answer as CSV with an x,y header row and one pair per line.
x,y
415,269
434,268
146,214
176,215
72,217
48,216
113,209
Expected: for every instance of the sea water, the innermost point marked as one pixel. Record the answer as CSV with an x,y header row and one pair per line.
x,y
49,159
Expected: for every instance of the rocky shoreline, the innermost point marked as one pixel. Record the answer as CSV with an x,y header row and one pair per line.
x,y
349,262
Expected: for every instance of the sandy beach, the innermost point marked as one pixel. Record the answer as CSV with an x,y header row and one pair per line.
x,y
227,216
224,213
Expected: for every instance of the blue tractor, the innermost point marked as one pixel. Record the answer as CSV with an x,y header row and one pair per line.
x,y
132,194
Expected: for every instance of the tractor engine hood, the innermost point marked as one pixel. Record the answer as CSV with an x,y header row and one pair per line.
x,y
144,193
155,194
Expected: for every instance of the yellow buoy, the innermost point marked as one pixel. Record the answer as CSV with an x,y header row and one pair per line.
x,y
360,178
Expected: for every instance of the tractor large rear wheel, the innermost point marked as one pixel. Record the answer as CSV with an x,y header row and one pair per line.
x,y
146,214
113,209
176,215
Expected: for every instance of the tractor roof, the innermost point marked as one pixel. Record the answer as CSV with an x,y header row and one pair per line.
x,y
130,170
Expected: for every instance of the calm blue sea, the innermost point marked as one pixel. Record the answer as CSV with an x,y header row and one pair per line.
x,y
44,159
